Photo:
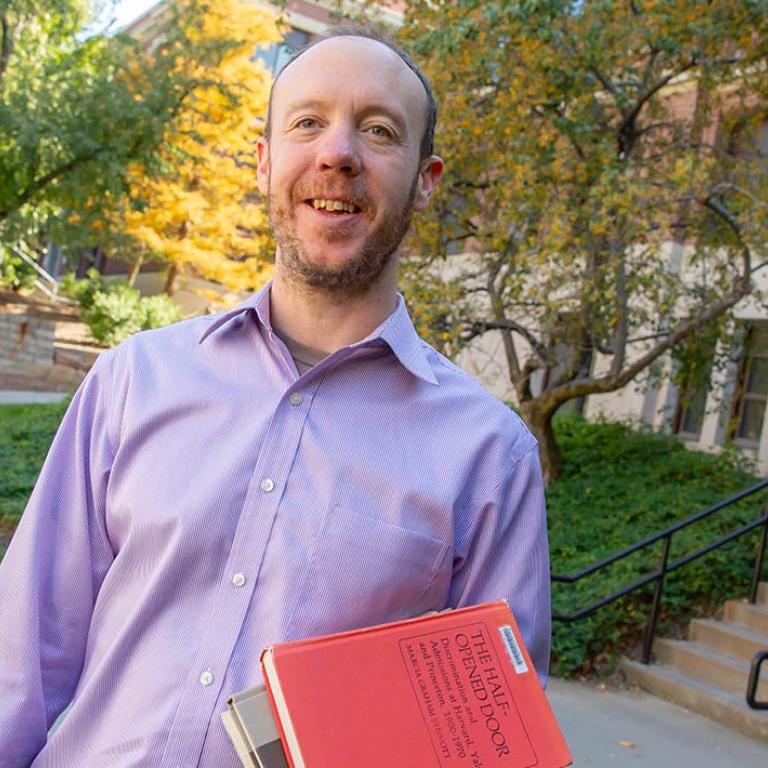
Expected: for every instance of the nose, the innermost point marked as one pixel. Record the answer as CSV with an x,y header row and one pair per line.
x,y
339,150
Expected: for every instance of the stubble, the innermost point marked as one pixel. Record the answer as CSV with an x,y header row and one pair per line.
x,y
359,273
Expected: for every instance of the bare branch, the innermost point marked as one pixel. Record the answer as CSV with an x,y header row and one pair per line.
x,y
478,327
605,81
728,217
630,117
622,325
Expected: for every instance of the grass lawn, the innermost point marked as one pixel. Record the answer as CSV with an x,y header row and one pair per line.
x,y
26,432
618,486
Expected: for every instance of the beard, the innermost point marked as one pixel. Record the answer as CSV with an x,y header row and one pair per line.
x,y
360,271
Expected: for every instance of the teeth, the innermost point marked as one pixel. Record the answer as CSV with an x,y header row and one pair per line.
x,y
333,205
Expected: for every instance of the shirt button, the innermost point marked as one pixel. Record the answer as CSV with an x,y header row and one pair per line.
x,y
267,485
238,579
296,399
206,678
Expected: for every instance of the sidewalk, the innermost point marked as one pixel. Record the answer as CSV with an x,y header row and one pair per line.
x,y
612,728
14,397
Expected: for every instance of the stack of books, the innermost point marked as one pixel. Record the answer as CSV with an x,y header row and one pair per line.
x,y
451,689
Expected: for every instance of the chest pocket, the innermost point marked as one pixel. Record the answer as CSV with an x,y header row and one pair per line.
x,y
365,571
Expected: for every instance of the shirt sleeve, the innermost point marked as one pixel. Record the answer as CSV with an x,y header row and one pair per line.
x,y
51,573
504,554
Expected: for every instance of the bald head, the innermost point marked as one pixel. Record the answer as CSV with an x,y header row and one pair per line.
x,y
396,68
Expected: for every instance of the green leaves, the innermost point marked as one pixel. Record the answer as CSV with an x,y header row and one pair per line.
x,y
114,311
599,506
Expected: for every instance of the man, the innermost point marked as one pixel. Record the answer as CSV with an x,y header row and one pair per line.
x,y
301,465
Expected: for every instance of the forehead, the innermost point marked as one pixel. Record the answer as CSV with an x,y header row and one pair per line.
x,y
351,70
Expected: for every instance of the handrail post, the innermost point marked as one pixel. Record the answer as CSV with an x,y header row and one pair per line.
x,y
759,558
754,676
651,628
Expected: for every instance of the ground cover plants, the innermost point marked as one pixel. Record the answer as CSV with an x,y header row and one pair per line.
x,y
619,486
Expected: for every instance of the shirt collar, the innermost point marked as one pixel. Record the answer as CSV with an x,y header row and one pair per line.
x,y
397,331
258,303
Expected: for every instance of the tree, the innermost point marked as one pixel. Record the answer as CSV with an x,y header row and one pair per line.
x,y
602,177
200,212
79,106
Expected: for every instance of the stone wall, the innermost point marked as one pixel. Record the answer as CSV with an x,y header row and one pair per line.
x,y
25,340
33,354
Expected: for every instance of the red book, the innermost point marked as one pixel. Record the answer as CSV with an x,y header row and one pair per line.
x,y
451,689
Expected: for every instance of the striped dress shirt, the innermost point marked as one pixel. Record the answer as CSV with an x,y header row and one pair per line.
x,y
202,500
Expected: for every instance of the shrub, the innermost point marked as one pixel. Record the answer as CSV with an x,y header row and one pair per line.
x,y
114,311
618,487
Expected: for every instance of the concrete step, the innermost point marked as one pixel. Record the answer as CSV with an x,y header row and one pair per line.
x,y
752,616
710,666
726,637
728,708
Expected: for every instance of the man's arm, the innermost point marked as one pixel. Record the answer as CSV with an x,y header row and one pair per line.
x,y
51,574
504,553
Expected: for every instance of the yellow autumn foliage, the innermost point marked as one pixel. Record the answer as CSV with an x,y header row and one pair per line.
x,y
201,213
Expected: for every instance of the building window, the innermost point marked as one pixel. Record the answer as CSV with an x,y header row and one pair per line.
x,y
275,57
691,407
693,381
752,389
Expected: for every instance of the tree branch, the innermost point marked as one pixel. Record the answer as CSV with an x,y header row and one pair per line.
x,y
616,380
6,44
43,181
622,324
654,89
479,327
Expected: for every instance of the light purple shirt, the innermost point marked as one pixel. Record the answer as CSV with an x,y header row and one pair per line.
x,y
202,500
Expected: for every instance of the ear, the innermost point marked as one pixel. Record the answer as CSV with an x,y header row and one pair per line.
x,y
262,168
429,176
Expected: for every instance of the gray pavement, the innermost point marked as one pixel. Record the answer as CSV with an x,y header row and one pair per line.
x,y
607,727
13,397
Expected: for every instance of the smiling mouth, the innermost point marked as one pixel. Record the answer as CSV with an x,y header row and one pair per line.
x,y
338,207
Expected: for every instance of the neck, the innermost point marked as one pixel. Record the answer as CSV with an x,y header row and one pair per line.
x,y
313,324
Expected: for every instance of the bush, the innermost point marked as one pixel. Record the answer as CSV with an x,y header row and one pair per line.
x,y
114,311
618,487
15,273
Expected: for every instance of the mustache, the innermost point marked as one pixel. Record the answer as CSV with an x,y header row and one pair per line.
x,y
350,193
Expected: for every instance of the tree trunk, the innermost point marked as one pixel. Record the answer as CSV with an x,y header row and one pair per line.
x,y
135,269
170,280
538,418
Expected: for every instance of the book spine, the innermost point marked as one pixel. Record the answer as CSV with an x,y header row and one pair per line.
x,y
278,721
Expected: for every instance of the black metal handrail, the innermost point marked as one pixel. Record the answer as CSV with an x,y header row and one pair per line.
x,y
754,676
665,566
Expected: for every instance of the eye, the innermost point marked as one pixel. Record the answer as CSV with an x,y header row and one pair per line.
x,y
381,131
306,123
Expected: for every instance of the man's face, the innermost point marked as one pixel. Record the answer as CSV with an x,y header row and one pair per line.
x,y
341,171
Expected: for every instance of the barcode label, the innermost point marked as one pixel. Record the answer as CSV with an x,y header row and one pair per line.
x,y
513,649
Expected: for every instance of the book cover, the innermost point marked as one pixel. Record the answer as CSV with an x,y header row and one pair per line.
x,y
251,727
453,689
